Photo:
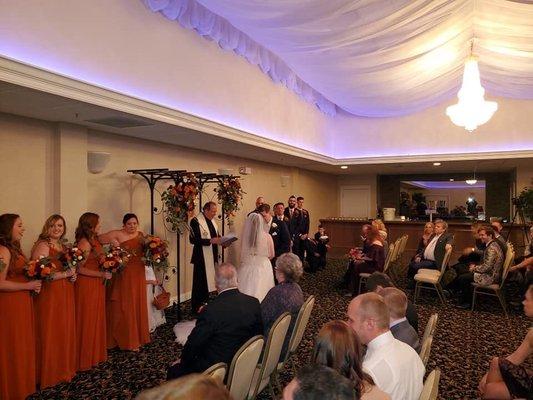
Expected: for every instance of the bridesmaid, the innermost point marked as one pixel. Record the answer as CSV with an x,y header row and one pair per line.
x,y
127,315
17,330
55,318
90,296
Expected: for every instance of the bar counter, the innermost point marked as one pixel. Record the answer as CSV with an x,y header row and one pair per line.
x,y
344,233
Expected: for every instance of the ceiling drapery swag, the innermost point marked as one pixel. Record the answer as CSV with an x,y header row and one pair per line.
x,y
371,58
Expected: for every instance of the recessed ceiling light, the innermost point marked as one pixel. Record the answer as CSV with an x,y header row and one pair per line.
x,y
471,181
344,167
436,164
451,179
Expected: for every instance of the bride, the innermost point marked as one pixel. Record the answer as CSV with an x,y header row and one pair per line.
x,y
255,271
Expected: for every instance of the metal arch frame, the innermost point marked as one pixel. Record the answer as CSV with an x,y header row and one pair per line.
x,y
152,176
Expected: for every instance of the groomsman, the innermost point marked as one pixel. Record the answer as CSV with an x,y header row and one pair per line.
x,y
291,216
258,202
302,229
280,232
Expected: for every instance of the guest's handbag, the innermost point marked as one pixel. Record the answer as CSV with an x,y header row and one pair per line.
x,y
162,300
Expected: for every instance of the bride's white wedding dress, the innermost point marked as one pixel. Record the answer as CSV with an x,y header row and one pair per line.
x,y
255,271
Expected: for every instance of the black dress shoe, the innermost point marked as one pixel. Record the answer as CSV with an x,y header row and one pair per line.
x,y
464,306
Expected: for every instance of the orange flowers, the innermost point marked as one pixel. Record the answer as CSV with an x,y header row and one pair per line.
x,y
179,200
229,193
41,269
156,253
113,260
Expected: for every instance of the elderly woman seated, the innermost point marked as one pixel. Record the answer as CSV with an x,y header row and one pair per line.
x,y
287,296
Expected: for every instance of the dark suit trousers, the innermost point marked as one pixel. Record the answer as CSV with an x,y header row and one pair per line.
x,y
178,370
200,291
464,283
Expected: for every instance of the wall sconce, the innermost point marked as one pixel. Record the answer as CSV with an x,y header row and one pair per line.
x,y
97,161
285,179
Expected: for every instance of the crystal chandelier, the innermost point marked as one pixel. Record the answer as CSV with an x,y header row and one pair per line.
x,y
472,110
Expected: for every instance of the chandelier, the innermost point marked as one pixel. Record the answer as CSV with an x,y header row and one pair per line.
x,y
471,110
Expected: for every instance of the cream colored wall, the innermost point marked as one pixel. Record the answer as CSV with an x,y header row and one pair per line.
x,y
47,173
524,177
123,46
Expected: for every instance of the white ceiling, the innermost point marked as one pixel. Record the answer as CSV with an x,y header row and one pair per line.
x,y
19,100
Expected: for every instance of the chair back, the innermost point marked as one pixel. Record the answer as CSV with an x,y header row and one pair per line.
x,y
271,355
388,257
426,350
445,260
242,368
404,244
509,259
217,371
395,251
431,326
301,323
430,390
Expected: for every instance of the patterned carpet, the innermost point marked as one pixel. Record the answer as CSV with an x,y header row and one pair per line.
x,y
463,344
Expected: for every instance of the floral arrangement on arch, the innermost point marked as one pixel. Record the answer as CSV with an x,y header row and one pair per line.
x,y
179,202
229,193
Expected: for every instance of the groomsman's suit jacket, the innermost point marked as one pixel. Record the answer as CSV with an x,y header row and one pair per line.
x,y
440,247
404,332
292,221
221,329
280,235
303,223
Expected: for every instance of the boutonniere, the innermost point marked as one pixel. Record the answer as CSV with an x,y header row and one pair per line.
x,y
286,219
274,225
274,233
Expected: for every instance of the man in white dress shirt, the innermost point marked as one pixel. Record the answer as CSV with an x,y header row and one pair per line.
x,y
395,367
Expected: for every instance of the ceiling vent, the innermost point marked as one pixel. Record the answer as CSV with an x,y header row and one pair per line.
x,y
119,122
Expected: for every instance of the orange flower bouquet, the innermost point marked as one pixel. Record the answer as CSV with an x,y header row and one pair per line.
x,y
41,269
156,253
71,257
179,202
113,260
229,193
354,254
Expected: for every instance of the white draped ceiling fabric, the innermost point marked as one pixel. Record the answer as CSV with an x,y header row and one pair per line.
x,y
372,58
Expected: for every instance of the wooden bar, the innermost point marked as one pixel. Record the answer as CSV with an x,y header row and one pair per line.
x,y
345,233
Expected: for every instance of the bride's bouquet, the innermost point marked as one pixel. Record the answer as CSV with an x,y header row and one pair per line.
x,y
156,253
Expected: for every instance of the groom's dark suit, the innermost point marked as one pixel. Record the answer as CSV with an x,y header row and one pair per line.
x,y
280,235
221,329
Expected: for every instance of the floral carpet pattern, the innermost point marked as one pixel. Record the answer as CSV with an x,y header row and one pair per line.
x,y
463,345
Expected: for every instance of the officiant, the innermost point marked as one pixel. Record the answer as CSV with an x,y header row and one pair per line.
x,y
205,254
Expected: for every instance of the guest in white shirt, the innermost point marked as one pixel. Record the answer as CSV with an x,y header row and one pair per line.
x,y
396,301
393,365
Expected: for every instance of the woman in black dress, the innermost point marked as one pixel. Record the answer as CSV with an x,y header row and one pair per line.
x,y
372,260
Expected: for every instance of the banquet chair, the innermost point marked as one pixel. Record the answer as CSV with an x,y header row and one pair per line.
x,y
431,326
496,290
296,337
426,277
430,391
425,351
217,371
274,345
393,263
242,368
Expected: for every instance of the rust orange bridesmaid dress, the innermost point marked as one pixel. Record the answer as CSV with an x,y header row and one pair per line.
x,y
127,314
55,321
17,338
89,296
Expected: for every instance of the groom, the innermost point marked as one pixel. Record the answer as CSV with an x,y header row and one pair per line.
x,y
205,240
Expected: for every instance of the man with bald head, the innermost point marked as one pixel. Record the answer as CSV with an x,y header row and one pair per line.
x,y
395,367
223,326
258,202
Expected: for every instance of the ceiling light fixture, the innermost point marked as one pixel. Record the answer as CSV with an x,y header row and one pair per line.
x,y
344,167
471,110
452,180
437,164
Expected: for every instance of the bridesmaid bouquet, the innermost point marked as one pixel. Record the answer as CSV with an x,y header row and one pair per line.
x,y
71,257
156,253
113,260
354,254
41,269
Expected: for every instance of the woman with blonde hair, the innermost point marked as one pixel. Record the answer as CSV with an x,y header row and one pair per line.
x,y
338,347
380,226
426,236
55,316
189,387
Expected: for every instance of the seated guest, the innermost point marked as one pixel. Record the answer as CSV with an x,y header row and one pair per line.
x,y
365,229
287,296
338,347
222,327
365,245
380,226
426,237
322,240
507,378
190,387
396,301
371,261
377,281
393,365
470,255
316,382
433,254
498,228
486,273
